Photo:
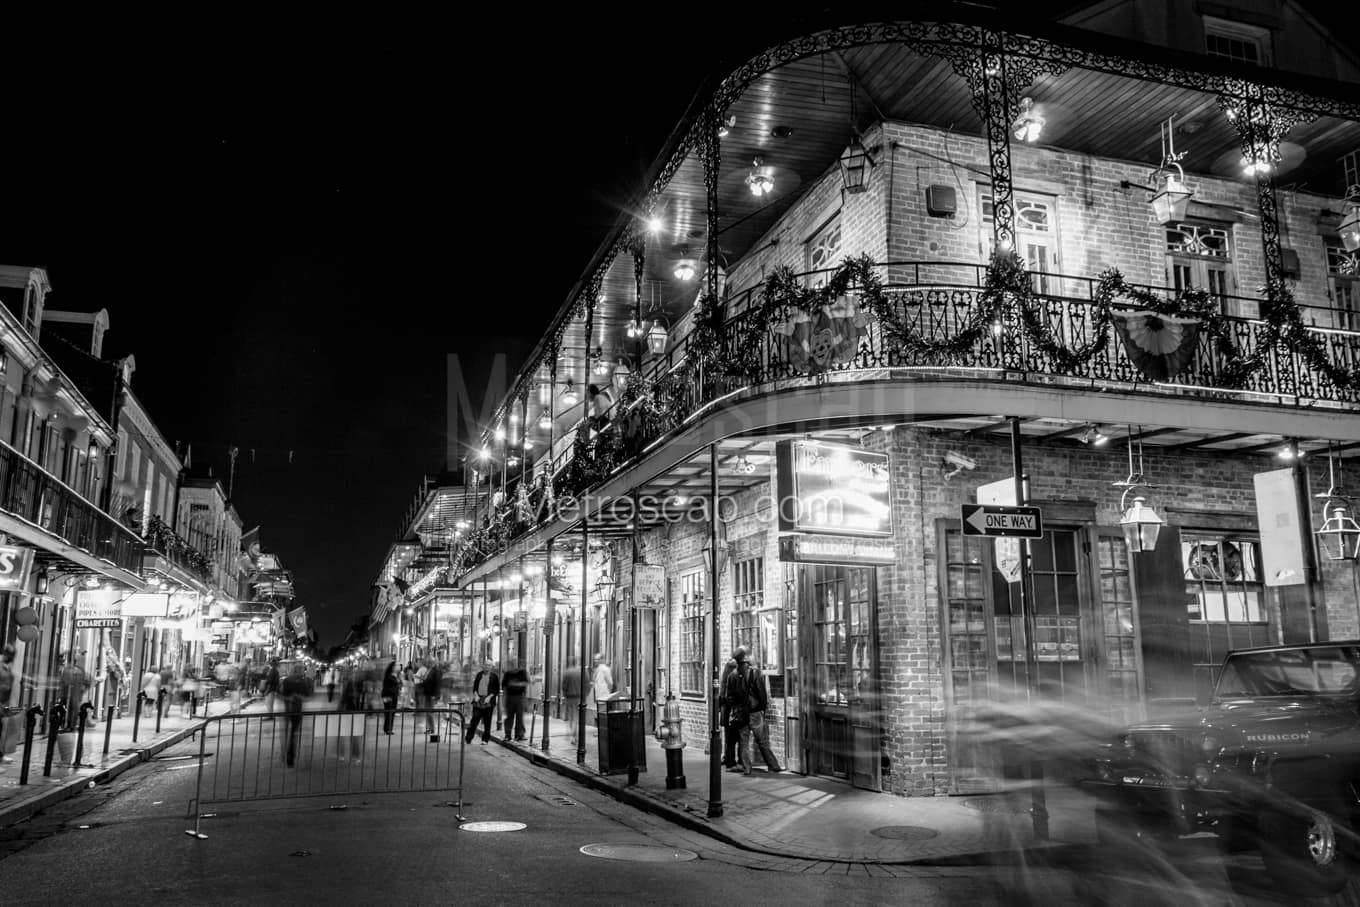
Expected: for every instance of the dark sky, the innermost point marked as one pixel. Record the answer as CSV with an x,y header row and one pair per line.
x,y
294,225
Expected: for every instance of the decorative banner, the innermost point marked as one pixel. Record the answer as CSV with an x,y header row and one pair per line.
x,y
833,488
1277,517
146,604
15,563
96,608
833,549
649,586
825,337
1160,346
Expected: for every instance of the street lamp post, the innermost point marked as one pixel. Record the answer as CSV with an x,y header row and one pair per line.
x,y
715,803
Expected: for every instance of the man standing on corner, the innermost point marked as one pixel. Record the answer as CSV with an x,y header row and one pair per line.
x,y
516,683
429,696
758,700
485,688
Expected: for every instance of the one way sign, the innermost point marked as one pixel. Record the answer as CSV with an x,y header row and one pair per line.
x,y
995,520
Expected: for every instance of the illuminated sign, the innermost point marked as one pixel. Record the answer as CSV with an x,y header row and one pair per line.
x,y
147,604
97,609
832,488
15,562
833,549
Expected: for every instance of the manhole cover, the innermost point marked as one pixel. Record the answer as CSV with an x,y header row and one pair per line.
x,y
492,826
639,853
997,805
905,832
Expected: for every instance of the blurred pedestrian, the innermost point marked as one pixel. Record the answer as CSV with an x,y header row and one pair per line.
x,y
391,690
571,693
74,680
602,679
429,694
7,693
515,683
350,743
151,687
270,686
330,683
294,690
486,686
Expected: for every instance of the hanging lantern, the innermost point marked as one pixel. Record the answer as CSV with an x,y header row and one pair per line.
x,y
1350,229
855,163
1339,537
1172,200
656,338
621,373
1141,526
635,329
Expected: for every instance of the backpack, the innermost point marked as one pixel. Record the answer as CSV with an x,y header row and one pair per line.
x,y
736,689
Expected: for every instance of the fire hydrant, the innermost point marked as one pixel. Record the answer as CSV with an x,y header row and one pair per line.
x,y
672,737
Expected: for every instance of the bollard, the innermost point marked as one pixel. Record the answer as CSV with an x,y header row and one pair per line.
x,y
55,719
30,722
160,698
108,729
85,709
137,713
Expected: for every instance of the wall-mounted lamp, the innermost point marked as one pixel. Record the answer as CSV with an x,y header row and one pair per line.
x,y
855,164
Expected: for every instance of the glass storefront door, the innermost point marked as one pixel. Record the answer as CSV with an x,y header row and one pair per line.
x,y
840,714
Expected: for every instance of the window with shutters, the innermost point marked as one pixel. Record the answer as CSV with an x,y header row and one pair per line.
x,y
748,593
692,634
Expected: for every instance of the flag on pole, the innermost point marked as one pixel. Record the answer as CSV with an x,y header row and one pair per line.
x,y
298,618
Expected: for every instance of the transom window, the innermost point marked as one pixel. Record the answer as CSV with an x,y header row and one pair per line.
x,y
1031,214
692,634
1222,579
1198,239
824,247
1236,41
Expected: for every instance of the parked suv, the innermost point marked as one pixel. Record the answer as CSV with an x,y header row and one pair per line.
x,y
1273,759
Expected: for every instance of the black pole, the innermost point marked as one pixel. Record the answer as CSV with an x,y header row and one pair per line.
x,y
634,655
715,748
30,723
585,603
55,719
1039,808
1306,539
137,713
548,620
160,699
108,729
85,709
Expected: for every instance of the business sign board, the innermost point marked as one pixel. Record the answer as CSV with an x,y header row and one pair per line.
x,y
649,586
835,549
147,604
98,609
1277,517
832,488
15,564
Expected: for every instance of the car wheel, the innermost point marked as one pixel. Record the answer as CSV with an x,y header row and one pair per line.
x,y
1303,854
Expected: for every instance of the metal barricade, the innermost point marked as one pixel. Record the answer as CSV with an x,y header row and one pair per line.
x,y
291,755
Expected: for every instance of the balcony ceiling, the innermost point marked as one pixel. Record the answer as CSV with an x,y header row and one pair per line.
x,y
798,119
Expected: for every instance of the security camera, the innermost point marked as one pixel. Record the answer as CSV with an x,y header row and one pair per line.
x,y
957,459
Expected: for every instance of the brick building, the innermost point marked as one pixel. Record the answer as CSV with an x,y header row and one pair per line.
x,y
878,265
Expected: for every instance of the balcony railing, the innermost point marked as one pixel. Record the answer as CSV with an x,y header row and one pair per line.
x,y
177,550
33,494
934,301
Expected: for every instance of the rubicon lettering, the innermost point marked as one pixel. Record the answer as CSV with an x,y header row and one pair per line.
x,y
1278,738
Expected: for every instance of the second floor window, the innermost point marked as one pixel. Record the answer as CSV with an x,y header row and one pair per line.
x,y
1222,579
1236,41
1199,256
1343,279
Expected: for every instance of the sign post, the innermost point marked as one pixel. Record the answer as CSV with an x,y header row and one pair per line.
x,y
1027,523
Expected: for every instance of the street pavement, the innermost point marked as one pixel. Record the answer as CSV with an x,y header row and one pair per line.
x,y
814,818
108,750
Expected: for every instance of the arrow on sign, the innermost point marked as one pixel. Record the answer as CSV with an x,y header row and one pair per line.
x,y
1007,522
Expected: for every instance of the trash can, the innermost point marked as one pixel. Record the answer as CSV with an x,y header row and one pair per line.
x,y
614,735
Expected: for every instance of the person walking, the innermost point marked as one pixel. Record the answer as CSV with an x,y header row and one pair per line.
x,y
429,695
571,693
486,686
391,691
516,684
350,743
74,681
6,693
270,686
294,690
732,717
751,682
330,683
151,687
602,679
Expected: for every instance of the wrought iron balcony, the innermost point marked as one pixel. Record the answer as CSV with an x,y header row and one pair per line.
x,y
932,305
32,494
164,540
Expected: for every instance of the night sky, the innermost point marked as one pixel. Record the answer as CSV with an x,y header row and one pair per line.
x,y
294,226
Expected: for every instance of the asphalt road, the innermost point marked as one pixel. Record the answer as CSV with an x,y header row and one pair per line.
x,y
126,841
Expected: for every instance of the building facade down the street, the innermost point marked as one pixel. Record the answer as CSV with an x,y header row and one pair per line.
x,y
946,363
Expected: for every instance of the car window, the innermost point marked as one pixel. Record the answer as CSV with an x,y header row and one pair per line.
x,y
1330,669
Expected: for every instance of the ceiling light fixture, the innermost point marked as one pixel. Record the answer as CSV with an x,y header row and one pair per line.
x,y
1029,123
570,396
759,180
725,126
684,268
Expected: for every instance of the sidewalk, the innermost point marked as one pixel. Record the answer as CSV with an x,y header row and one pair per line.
x,y
816,818
19,801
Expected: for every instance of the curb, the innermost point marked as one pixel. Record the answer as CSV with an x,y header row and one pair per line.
x,y
1054,854
73,787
